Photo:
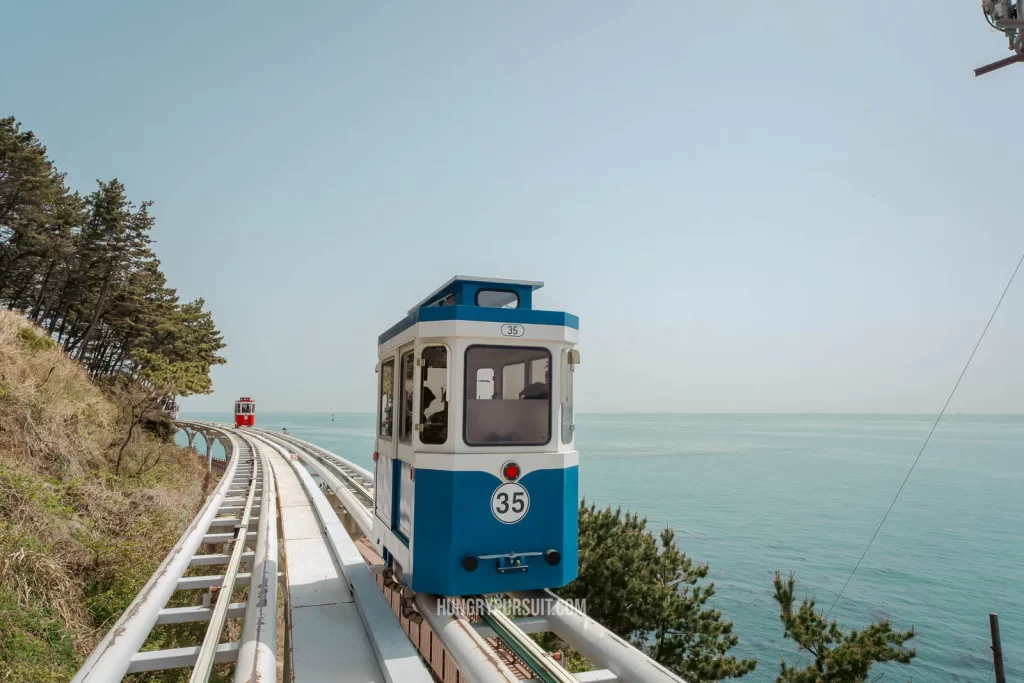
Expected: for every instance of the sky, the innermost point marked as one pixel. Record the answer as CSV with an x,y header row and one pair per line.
x,y
752,207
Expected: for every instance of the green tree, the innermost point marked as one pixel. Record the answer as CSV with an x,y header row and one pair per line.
x,y
839,657
84,270
647,591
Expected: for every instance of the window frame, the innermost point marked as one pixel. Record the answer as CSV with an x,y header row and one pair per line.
x,y
447,386
411,354
476,297
465,397
380,396
566,391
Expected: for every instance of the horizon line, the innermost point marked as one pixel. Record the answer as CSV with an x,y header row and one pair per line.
x,y
677,412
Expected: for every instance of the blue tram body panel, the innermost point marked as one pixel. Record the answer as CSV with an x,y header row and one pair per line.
x,y
454,520
477,478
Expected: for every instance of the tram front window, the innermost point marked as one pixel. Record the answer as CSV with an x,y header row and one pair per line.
x,y
512,390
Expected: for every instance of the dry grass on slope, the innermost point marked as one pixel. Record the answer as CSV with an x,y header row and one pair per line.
x,y
76,541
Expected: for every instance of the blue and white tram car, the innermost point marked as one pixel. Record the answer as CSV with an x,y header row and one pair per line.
x,y
476,467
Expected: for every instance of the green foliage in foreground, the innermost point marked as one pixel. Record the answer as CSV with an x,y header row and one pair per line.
x,y
650,593
34,642
839,657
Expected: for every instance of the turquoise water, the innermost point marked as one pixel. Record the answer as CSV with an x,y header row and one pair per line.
x,y
749,494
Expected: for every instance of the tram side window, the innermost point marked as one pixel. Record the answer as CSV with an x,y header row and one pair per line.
x,y
568,371
387,392
512,390
497,298
405,426
434,395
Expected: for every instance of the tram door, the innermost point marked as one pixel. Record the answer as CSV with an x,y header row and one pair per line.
x,y
403,487
383,472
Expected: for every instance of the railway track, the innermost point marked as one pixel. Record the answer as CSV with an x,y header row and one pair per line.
x,y
511,637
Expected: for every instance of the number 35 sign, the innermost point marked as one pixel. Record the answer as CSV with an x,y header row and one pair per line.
x,y
509,503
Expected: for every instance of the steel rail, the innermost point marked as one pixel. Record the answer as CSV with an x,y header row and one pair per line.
x,y
472,653
208,650
366,474
112,657
361,513
394,653
525,647
595,642
356,478
257,655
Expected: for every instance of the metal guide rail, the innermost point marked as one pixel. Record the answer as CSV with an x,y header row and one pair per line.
x,y
358,479
240,516
339,626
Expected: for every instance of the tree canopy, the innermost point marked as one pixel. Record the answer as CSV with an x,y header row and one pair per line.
x,y
84,270
646,590
839,657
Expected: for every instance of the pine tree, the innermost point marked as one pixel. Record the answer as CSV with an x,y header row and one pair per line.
x,y
647,591
839,657
84,270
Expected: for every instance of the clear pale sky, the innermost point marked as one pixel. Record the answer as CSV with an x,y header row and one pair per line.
x,y
751,206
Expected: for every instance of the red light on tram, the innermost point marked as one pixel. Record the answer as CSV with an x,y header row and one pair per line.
x,y
511,471
375,456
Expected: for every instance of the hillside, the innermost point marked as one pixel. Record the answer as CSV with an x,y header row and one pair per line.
x,y
77,541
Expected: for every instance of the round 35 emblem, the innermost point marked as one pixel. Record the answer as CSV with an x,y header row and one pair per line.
x,y
509,503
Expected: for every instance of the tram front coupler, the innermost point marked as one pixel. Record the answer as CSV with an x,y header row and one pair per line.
x,y
513,562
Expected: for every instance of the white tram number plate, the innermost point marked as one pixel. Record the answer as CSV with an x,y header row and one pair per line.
x,y
513,330
510,502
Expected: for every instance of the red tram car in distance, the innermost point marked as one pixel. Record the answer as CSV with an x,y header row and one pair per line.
x,y
245,412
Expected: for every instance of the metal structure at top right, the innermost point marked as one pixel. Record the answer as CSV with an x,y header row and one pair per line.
x,y
1007,17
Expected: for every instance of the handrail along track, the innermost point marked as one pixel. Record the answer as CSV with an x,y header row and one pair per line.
x,y
243,486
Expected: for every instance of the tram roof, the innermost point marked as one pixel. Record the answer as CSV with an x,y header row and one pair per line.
x,y
464,289
532,285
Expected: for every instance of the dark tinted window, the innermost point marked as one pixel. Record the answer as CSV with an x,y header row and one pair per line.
x,y
434,395
508,396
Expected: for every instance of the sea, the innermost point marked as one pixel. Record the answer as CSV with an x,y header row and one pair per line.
x,y
750,495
